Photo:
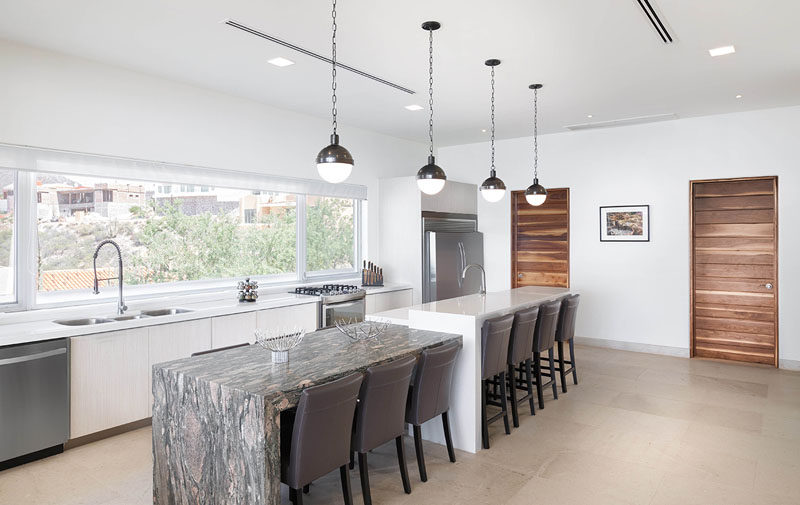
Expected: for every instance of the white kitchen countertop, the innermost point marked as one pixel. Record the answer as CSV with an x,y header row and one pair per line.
x,y
492,303
386,288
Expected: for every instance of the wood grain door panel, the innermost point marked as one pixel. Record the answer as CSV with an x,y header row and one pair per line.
x,y
540,240
734,264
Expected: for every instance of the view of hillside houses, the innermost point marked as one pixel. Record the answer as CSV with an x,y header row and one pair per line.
x,y
175,232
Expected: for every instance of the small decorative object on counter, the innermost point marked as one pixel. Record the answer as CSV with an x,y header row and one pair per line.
x,y
248,290
361,330
280,342
371,274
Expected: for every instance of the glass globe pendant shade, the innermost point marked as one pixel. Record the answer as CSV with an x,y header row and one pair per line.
x,y
493,189
431,177
535,194
334,163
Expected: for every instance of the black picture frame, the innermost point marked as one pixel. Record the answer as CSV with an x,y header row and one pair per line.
x,y
610,237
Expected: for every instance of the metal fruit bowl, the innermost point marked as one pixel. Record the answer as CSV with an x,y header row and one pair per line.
x,y
361,330
280,342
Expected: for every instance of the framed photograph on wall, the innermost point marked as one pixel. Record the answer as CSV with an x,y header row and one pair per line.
x,y
625,223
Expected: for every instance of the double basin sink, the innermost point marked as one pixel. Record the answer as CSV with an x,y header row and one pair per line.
x,y
88,321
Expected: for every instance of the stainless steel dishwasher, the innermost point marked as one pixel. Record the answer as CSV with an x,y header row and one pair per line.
x,y
34,400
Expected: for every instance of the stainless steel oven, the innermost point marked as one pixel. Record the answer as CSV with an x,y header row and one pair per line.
x,y
337,302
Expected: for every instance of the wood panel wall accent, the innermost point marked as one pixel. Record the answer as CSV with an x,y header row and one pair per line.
x,y
540,240
734,260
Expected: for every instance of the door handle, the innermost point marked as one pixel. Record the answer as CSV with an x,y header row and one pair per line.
x,y
768,285
519,276
463,257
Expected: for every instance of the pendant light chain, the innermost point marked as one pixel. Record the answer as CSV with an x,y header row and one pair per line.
x,y
333,70
493,122
430,88
535,134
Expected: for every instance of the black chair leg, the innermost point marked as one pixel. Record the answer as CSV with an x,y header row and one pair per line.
x,y
551,359
352,460
306,488
364,471
504,402
447,438
484,424
561,367
296,496
537,370
512,383
423,474
401,460
292,495
347,492
529,380
572,359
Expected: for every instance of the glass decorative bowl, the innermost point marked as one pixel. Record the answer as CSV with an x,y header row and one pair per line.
x,y
280,342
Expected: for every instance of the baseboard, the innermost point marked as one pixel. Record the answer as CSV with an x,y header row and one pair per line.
x,y
789,364
681,352
111,432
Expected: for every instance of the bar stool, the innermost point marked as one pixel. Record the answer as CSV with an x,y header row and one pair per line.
x,y
565,332
380,416
430,397
520,356
544,340
316,438
495,335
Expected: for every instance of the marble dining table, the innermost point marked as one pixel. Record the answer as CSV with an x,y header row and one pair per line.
x,y
216,417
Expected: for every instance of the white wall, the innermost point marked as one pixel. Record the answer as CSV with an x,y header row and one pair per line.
x,y
639,292
56,101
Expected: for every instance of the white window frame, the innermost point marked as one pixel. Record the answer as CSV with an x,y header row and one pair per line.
x,y
15,252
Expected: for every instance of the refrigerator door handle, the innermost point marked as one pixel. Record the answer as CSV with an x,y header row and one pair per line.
x,y
463,257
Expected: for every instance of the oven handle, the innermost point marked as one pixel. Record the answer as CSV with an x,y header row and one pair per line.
x,y
32,357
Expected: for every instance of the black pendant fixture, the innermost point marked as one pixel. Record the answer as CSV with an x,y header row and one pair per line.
x,y
334,162
493,189
535,194
431,177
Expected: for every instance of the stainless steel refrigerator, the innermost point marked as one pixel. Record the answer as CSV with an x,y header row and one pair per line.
x,y
448,246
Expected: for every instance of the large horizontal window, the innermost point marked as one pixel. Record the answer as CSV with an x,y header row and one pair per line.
x,y
7,242
180,229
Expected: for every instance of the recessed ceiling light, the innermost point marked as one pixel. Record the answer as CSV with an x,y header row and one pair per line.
x,y
589,116
413,106
722,51
280,62
483,130
738,96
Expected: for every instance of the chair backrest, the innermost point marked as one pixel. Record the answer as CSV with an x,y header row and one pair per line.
x,y
545,334
218,349
381,411
322,429
566,318
521,344
430,396
495,335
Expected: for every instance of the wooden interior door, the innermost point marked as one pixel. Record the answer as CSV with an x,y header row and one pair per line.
x,y
734,291
540,240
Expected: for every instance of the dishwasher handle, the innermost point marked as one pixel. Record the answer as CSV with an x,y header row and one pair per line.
x,y
33,357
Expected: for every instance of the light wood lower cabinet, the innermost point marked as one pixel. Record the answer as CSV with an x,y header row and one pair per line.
x,y
304,316
108,380
380,302
233,329
169,342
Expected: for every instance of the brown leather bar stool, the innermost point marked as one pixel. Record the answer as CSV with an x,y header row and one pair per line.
x,y
430,397
520,357
380,416
315,439
565,332
495,335
544,340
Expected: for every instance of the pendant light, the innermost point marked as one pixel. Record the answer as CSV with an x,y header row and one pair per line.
x,y
535,194
493,188
334,163
431,177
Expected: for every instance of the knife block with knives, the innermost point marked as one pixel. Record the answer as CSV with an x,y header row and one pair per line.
x,y
371,274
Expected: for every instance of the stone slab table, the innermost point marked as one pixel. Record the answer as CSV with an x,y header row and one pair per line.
x,y
216,417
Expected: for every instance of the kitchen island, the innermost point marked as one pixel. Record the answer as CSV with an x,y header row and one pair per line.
x,y
216,417
465,315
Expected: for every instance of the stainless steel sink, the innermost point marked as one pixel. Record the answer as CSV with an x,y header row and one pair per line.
x,y
130,317
88,321
164,312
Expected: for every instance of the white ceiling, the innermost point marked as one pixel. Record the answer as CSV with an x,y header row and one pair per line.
x,y
598,57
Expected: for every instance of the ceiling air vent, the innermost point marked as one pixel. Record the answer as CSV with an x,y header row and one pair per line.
x,y
622,122
289,45
652,15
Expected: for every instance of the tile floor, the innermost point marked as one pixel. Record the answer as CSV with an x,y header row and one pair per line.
x,y
638,429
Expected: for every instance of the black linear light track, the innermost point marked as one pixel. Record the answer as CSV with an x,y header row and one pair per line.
x,y
253,31
655,21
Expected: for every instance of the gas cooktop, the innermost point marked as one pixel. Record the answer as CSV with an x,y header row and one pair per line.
x,y
331,293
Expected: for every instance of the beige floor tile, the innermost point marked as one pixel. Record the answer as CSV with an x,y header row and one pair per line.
x,y
658,406
731,418
680,489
